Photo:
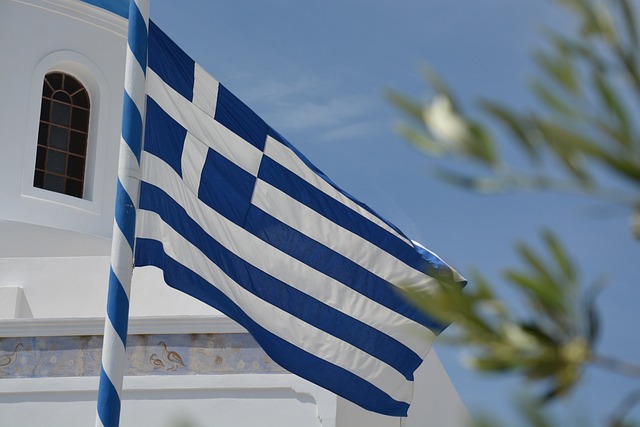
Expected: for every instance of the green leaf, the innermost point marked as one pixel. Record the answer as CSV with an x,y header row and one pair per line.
x,y
472,183
592,318
544,369
535,263
612,103
577,49
540,334
420,140
628,14
559,69
533,413
440,87
562,259
621,135
410,107
491,364
568,147
544,292
480,145
519,128
550,98
483,286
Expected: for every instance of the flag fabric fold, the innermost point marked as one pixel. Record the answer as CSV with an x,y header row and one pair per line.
x,y
235,216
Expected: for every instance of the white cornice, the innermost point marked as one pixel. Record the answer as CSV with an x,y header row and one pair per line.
x,y
137,326
84,12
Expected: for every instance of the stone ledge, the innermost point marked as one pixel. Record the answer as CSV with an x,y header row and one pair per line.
x,y
137,326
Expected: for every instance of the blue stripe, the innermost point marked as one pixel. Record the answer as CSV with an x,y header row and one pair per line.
x,y
118,307
137,36
226,187
119,7
131,125
290,357
282,140
436,267
125,214
164,137
276,292
305,193
170,62
240,119
335,265
433,267
108,402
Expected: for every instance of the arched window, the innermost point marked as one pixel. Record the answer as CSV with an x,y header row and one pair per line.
x,y
62,137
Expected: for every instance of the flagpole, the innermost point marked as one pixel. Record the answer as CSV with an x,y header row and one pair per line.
x,y
121,271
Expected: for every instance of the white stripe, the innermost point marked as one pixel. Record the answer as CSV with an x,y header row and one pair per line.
x,y
284,267
203,127
121,259
143,8
128,171
288,159
98,421
114,359
194,155
205,91
275,320
134,75
359,250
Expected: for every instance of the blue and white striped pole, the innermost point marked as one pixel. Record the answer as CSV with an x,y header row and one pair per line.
x,y
116,323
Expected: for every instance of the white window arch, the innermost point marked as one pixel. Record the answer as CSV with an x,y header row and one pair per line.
x,y
89,76
62,135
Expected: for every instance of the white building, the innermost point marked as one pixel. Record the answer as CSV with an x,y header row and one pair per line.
x,y
55,228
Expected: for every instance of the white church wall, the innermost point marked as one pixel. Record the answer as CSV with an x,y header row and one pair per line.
x,y
436,403
203,400
62,36
68,287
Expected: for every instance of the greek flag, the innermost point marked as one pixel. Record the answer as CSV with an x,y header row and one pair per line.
x,y
235,216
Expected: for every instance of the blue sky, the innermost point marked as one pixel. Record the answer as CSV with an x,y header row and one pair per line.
x,y
317,72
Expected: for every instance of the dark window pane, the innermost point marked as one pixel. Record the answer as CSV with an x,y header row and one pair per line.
x,y
74,188
56,162
38,179
75,167
71,85
44,110
53,183
81,99
62,138
60,113
78,143
55,80
80,119
40,157
43,134
59,137
46,89
62,96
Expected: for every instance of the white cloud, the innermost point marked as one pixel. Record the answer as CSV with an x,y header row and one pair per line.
x,y
295,102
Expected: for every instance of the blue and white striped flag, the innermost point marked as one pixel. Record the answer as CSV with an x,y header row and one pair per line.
x,y
237,218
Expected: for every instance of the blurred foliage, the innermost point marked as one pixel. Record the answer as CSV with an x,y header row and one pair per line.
x,y
551,343
588,88
588,97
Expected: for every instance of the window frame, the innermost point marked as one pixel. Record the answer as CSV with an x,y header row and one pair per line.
x,y
65,112
90,76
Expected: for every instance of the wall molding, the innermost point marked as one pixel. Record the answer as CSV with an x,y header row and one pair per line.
x,y
137,326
